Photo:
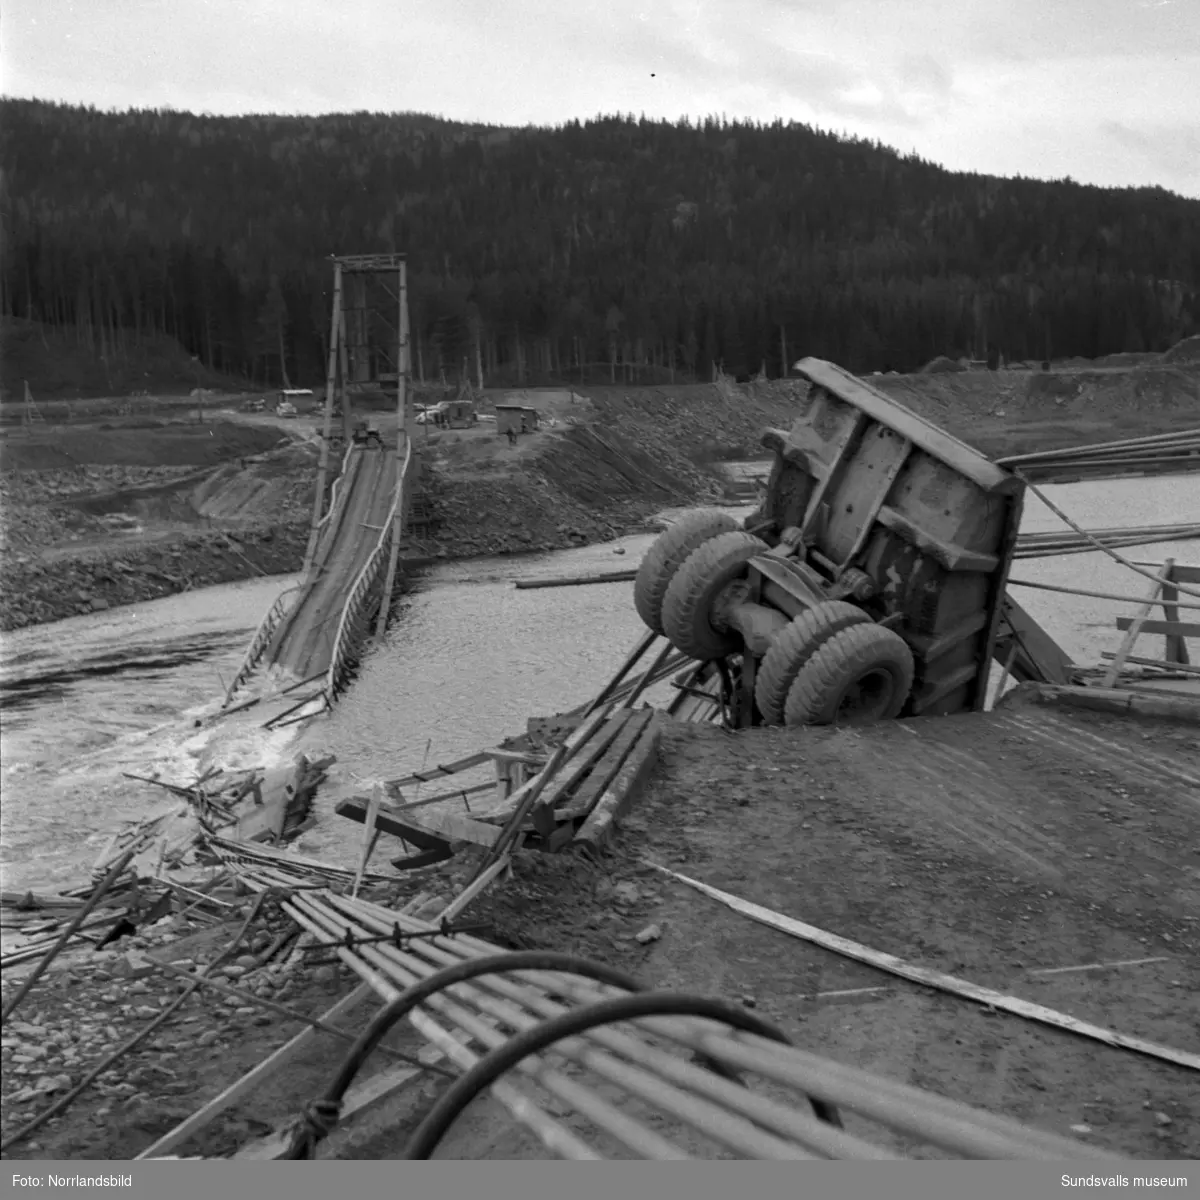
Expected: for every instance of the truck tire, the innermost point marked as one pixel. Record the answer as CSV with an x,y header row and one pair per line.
x,y
687,608
793,647
668,553
859,676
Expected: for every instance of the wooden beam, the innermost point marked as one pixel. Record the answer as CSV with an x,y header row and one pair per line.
x,y
1161,663
624,788
436,772
542,812
1177,651
1172,629
370,835
578,737
606,769
464,898
936,979
455,828
355,809
1135,627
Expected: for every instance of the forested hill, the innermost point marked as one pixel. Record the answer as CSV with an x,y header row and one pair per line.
x,y
670,246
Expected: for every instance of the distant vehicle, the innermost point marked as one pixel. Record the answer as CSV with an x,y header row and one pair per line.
x,y
454,414
285,409
258,405
366,432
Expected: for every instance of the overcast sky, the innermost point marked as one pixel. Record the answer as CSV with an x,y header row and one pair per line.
x,y
1105,91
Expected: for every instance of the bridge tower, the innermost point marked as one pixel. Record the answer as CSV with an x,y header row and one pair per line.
x,y
368,356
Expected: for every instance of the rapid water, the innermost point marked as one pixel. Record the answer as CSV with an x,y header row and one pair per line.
x,y
86,699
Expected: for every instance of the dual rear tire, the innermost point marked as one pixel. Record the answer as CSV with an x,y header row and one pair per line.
x,y
831,665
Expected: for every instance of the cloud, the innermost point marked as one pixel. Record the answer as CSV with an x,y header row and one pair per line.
x,y
1001,86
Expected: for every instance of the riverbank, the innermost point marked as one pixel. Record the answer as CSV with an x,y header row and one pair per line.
x,y
109,514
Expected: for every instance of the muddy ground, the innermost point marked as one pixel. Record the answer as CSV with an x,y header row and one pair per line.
x,y
1029,859
1054,865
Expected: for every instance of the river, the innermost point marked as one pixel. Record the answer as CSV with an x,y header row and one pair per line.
x,y
86,699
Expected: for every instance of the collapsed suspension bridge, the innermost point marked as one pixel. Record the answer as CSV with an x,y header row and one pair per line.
x,y
315,631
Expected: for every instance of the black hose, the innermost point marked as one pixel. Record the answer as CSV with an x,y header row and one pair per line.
x,y
322,1115
454,1101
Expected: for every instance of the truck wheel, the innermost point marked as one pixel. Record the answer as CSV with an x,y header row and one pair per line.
x,y
687,608
859,676
668,553
793,647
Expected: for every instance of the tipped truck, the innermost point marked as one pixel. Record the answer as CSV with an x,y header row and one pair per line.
x,y
869,584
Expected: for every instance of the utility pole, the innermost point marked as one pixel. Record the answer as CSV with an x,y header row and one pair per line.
x,y
327,432
403,435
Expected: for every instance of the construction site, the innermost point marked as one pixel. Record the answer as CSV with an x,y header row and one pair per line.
x,y
849,858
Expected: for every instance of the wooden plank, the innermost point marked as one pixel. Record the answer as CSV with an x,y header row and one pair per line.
x,y
427,858
1185,574
370,835
936,979
265,1069
1161,663
542,812
578,737
355,809
624,788
576,580
461,901
436,772
1179,629
647,640
1114,670
517,756
1039,657
907,424
1180,707
1177,651
586,798
458,794
455,828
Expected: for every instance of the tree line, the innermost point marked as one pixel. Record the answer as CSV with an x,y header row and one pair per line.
x,y
615,248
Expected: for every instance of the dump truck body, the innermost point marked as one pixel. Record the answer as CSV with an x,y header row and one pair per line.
x,y
869,584
930,522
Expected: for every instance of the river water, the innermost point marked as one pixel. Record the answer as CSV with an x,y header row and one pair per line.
x,y
90,698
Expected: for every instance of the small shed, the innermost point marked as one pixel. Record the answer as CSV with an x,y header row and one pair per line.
x,y
457,414
515,417
301,399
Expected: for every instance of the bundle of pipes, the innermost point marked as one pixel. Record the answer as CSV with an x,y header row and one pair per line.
x,y
1161,453
1067,541
654,1075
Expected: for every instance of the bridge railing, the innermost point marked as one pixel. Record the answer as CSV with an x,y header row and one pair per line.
x,y
348,633
260,640
270,623
335,492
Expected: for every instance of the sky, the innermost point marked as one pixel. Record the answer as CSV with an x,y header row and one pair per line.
x,y
1102,91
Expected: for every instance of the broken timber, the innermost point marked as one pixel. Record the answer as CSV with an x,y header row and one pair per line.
x,y
586,771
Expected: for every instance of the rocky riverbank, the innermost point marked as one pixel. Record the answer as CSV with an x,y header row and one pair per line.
x,y
38,589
